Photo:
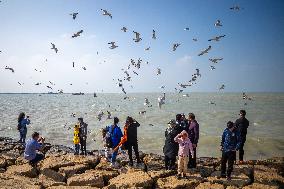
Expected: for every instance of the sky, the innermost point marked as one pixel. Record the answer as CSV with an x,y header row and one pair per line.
x,y
252,50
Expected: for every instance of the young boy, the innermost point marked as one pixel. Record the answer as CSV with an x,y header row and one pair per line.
x,y
76,139
229,145
185,146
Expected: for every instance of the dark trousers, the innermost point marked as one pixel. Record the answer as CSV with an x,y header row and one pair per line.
x,y
38,158
76,148
135,147
170,163
230,158
192,161
241,151
83,144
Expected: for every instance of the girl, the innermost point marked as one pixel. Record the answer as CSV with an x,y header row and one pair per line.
x,y
22,126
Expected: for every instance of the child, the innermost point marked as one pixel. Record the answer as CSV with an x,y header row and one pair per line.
x,y
105,138
76,139
229,145
185,146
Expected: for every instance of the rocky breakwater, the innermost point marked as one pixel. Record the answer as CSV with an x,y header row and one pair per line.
x,y
61,169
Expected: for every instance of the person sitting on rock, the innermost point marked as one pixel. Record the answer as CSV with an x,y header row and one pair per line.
x,y
32,145
76,139
229,145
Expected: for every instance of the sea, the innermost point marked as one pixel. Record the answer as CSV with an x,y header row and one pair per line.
x,y
51,116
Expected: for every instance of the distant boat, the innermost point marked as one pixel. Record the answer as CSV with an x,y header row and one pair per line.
x,y
78,93
95,95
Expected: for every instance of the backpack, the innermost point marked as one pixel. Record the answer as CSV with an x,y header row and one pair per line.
x,y
108,136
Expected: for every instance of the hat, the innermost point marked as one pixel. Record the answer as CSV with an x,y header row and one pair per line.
x,y
172,122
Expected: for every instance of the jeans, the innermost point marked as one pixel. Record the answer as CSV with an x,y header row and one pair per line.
x,y
38,158
23,134
170,162
135,147
113,157
229,157
77,148
83,144
241,151
192,161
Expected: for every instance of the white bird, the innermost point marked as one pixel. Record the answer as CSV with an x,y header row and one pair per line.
x,y
137,37
215,60
175,46
154,35
217,38
222,87
212,67
213,103
124,29
113,46
186,29
51,83
159,71
106,13
74,15
161,100
205,51
53,47
147,49
218,23
9,68
135,73
20,83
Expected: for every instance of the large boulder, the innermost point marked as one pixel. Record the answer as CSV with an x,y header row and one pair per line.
x,y
72,187
208,185
86,179
3,163
56,162
23,170
107,175
260,186
72,170
173,182
10,157
267,175
48,182
21,160
13,182
161,174
129,180
53,175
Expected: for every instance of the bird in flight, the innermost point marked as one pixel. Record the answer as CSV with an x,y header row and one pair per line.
x,y
137,37
186,29
154,35
9,68
53,47
77,34
215,60
175,46
235,7
37,83
159,71
74,15
124,29
217,38
147,49
113,46
205,51
49,87
222,87
212,67
84,68
106,13
218,23
194,39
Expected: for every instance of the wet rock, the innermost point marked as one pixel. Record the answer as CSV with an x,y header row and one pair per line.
x,y
154,162
90,161
128,180
53,175
208,185
86,179
260,186
72,170
174,183
23,170
14,182
105,166
48,182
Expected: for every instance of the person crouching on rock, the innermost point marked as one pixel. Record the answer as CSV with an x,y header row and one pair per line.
x,y
229,145
32,145
76,139
185,150
83,136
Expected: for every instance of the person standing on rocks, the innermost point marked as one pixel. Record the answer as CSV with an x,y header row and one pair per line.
x,y
115,134
242,125
83,136
36,143
22,126
193,134
76,139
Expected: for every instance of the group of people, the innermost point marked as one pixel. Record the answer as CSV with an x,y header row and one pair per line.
x,y
181,139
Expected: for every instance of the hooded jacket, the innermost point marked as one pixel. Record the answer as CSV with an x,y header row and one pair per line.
x,y
132,132
171,147
230,140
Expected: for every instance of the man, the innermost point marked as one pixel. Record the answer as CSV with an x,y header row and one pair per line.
x,y
32,145
132,139
193,134
242,125
83,136
115,134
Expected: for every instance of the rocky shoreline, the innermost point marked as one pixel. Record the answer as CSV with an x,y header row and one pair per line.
x,y
61,169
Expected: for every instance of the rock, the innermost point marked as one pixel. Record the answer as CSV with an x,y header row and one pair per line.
x,y
206,171
128,180
174,183
154,162
72,187
21,160
238,179
72,170
232,187
86,179
14,182
267,175
48,182
91,161
107,175
53,175
208,185
3,163
10,157
260,186
161,174
56,162
23,170
104,166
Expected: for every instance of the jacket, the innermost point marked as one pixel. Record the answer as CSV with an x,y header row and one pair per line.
x,y
76,138
23,124
132,132
242,125
230,140
83,130
116,135
185,146
171,147
193,132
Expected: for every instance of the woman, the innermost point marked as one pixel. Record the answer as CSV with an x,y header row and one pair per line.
x,y
22,126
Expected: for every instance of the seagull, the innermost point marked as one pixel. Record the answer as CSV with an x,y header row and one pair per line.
x,y
137,37
163,87
212,67
205,51
146,102
151,125
11,69
222,87
142,112
51,83
37,83
77,34
218,23
124,29
106,13
161,100
154,35
175,46
194,39
53,47
135,73
147,49
84,68
123,90
74,15
215,60
73,64
49,87
19,83
235,7
159,71
113,46
186,29
217,38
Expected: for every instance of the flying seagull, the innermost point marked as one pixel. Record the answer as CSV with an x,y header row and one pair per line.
x,y
147,49
53,47
217,38
51,83
154,35
73,64
186,29
222,87
19,83
212,67
106,13
77,34
194,39
49,87
84,68
113,46
159,71
175,46
74,15
205,51
137,37
235,7
215,60
124,29
11,69
37,83
218,23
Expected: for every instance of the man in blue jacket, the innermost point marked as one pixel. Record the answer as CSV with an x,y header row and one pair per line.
x,y
116,134
229,145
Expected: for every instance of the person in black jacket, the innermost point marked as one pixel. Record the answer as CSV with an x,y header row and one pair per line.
x,y
242,125
132,139
171,147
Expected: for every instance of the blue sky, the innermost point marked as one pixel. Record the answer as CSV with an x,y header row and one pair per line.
x,y
252,49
